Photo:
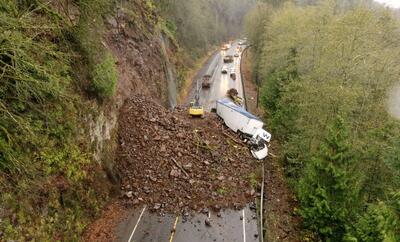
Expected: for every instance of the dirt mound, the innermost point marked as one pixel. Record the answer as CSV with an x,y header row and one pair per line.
x,y
174,163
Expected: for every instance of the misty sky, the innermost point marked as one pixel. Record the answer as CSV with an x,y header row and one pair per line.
x,y
390,3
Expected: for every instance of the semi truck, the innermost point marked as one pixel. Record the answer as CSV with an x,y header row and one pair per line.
x,y
248,126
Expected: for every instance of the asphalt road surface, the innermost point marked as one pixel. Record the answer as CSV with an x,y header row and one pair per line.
x,y
229,225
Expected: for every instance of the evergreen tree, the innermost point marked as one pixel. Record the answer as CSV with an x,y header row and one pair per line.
x,y
380,222
328,193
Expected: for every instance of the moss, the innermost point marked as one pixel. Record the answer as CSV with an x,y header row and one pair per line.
x,y
105,77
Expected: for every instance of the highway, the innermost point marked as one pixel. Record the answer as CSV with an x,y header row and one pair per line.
x,y
221,83
141,225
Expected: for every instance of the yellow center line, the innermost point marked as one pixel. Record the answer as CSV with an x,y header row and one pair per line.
x,y
173,230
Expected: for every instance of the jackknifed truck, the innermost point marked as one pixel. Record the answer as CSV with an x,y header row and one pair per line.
x,y
248,126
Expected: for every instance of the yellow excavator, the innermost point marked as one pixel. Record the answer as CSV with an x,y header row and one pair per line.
x,y
196,109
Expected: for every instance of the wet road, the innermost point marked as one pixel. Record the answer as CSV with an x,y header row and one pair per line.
x,y
221,83
230,226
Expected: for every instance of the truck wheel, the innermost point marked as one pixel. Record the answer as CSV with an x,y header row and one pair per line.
x,y
241,135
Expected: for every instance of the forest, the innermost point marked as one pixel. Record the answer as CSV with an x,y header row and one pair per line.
x,y
200,24
326,69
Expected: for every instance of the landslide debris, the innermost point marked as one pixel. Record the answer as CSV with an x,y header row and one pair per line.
x,y
173,163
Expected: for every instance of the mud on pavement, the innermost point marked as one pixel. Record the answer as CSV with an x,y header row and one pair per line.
x,y
173,163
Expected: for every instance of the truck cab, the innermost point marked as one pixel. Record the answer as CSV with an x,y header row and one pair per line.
x,y
248,126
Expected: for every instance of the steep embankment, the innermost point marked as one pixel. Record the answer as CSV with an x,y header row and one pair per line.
x,y
66,69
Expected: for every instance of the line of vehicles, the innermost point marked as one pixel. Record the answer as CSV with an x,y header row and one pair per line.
x,y
230,108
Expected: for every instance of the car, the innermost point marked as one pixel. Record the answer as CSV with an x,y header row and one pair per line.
x,y
224,70
236,55
242,42
228,59
233,74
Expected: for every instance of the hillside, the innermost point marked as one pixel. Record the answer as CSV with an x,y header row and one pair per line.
x,y
67,68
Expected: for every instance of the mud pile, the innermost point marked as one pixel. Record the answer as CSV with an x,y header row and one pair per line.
x,y
173,163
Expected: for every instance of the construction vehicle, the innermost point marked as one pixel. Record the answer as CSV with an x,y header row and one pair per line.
x,y
196,109
248,126
234,96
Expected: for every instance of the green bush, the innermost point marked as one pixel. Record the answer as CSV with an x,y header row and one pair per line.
x,y
105,77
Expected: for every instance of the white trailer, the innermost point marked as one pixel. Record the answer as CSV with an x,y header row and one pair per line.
x,y
246,124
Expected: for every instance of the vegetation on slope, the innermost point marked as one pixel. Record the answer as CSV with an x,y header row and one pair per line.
x,y
326,69
45,163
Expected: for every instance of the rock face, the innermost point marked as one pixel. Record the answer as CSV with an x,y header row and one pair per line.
x,y
165,157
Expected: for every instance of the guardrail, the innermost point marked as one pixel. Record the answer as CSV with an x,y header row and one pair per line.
x,y
242,76
263,169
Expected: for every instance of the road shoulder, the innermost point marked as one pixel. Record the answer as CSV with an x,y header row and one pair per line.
x,y
280,222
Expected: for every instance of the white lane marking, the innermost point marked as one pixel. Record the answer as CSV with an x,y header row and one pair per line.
x,y
244,227
137,223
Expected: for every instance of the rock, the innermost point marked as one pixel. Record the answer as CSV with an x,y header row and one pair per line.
x,y
135,201
129,194
207,222
175,173
188,166
163,148
157,206
236,206
206,163
217,207
221,178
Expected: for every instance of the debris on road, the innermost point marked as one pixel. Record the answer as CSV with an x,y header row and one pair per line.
x,y
233,94
207,222
182,163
